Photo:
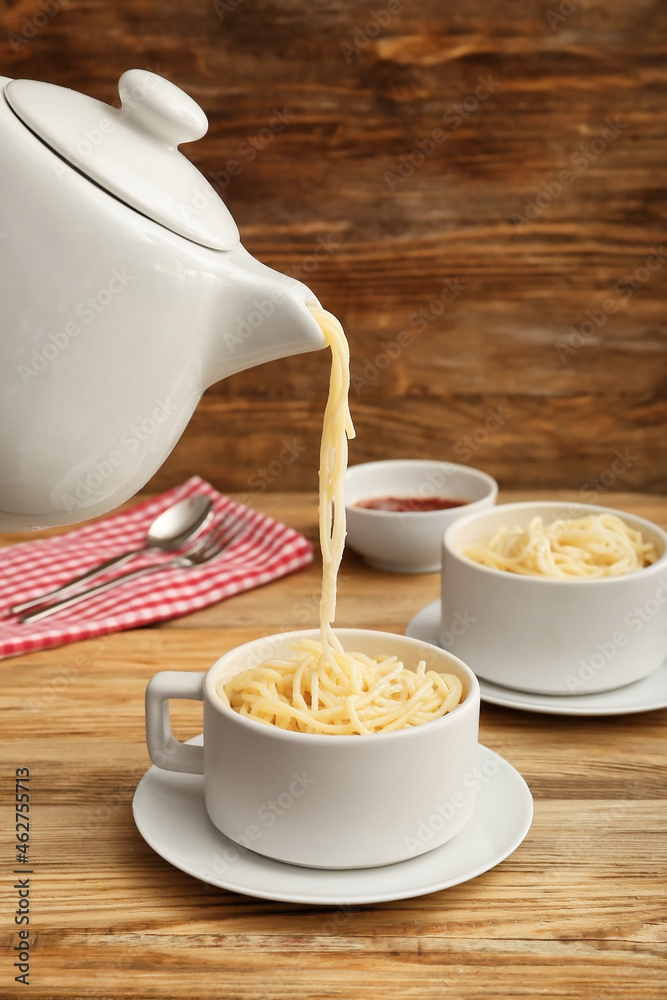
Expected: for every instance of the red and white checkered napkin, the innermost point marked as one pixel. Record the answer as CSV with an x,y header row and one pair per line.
x,y
265,551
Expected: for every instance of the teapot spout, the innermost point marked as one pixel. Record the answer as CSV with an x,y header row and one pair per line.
x,y
265,316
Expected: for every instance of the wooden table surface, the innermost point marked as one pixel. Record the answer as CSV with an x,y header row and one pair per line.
x,y
577,911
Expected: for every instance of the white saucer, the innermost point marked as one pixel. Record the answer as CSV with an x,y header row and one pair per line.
x,y
171,817
645,695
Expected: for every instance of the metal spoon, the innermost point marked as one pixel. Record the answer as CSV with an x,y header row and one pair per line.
x,y
168,532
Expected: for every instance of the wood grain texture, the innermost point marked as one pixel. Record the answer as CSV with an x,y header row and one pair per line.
x,y
364,87
577,911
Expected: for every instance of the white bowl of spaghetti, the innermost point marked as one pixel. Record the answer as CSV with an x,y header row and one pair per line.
x,y
337,796
555,598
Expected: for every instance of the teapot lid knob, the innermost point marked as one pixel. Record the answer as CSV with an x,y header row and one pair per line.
x,y
132,151
165,111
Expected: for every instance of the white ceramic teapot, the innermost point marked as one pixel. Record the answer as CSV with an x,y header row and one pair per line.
x,y
124,293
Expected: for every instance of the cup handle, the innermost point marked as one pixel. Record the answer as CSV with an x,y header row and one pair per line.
x,y
164,749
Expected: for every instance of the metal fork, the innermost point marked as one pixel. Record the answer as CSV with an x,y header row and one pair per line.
x,y
213,544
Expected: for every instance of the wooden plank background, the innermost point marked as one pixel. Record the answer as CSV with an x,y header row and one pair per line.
x,y
453,159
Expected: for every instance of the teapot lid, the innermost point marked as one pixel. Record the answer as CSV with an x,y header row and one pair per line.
x,y
132,151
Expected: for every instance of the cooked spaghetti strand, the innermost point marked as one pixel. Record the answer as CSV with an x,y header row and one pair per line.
x,y
322,689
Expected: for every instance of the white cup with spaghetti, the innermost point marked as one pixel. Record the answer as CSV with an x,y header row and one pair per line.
x,y
555,598
327,799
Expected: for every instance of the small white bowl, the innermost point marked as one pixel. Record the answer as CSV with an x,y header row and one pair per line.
x,y
410,542
552,636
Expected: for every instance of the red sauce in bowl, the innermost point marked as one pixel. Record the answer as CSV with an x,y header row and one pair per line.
x,y
405,504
